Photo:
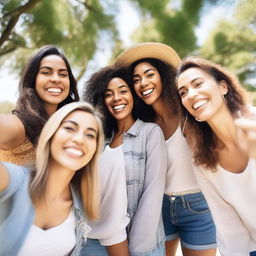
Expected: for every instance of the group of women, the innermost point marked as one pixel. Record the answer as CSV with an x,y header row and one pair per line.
x,y
178,162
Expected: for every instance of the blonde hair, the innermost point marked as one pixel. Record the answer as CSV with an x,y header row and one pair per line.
x,y
86,180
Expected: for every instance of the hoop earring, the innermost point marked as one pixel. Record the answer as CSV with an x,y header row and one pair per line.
x,y
223,97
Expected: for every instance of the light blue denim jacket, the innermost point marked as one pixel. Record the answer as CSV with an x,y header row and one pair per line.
x,y
17,213
145,156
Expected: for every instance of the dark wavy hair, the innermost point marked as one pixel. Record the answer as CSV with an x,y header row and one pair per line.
x,y
204,143
30,107
167,74
94,91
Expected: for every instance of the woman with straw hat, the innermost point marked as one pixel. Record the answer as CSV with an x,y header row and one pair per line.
x,y
185,212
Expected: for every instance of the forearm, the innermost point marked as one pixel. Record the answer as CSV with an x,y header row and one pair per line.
x,y
4,178
118,249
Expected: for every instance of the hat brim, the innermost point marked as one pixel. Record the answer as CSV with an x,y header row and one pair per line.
x,y
154,50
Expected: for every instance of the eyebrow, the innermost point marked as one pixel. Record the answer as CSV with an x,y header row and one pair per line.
x,y
191,82
147,70
61,69
76,124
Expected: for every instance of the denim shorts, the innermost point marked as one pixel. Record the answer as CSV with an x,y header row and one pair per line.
x,y
188,217
93,248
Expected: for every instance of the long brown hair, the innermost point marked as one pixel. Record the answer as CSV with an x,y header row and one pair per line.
x,y
30,108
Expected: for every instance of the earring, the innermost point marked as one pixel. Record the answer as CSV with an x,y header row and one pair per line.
x,y
223,97
198,120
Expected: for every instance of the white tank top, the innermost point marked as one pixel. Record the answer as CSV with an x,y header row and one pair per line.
x,y
56,241
180,174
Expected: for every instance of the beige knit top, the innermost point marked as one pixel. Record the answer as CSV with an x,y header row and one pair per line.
x,y
20,155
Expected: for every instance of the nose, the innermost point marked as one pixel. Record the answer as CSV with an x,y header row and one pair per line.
x,y
78,137
116,97
192,93
55,78
144,82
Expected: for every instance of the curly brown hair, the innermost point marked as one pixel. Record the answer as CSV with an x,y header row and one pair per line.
x,y
204,143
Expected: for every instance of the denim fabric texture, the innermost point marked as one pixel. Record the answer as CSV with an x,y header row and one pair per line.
x,y
18,216
188,217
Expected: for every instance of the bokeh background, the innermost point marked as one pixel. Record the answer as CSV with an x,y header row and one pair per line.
x,y
93,32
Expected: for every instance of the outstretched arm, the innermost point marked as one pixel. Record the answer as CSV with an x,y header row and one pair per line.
x,y
12,131
4,178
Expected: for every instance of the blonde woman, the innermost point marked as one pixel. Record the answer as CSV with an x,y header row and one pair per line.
x,y
42,209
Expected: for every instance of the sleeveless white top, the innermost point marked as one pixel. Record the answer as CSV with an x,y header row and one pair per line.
x,y
180,174
56,241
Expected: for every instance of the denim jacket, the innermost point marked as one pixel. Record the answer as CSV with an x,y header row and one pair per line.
x,y
17,213
146,165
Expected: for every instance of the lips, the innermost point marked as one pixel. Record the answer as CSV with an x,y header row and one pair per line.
x,y
199,104
119,107
54,90
76,152
147,92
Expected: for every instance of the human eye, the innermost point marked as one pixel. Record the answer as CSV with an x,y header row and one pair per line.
x,y
150,75
182,92
68,128
45,72
64,74
90,136
107,94
136,80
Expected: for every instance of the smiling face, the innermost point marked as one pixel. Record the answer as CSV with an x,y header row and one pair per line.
x,y
52,81
118,99
201,94
147,82
74,143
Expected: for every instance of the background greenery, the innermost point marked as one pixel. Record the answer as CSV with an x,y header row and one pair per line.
x,y
78,26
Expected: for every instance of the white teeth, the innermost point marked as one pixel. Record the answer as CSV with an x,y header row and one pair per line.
x,y
199,103
54,90
74,151
145,93
119,107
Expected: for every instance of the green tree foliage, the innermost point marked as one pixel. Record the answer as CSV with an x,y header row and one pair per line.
x,y
73,25
233,43
6,107
166,23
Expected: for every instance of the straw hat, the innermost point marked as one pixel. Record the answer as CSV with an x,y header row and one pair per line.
x,y
155,50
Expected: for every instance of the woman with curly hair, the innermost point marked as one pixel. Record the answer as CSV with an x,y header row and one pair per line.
x,y
185,212
43,209
46,84
132,171
213,100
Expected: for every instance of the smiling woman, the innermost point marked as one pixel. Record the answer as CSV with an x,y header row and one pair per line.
x,y
52,197
46,84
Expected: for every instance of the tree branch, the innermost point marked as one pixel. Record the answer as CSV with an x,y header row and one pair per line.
x,y
14,17
22,9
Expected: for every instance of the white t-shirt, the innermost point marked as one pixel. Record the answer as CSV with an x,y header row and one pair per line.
x,y
110,229
56,241
232,200
180,175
